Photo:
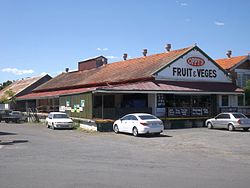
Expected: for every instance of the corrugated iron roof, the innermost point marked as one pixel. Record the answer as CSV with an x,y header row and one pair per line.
x,y
228,63
53,94
146,86
131,69
20,85
175,86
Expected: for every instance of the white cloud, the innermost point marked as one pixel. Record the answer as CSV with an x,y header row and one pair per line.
x,y
102,49
111,57
219,23
17,71
183,4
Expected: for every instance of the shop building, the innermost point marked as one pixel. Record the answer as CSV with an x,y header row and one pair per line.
x,y
184,84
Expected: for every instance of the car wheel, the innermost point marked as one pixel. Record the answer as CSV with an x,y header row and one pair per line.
x,y
116,129
47,125
157,134
210,125
245,129
231,127
135,131
7,121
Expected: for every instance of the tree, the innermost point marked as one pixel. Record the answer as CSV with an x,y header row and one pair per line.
x,y
5,84
9,97
247,92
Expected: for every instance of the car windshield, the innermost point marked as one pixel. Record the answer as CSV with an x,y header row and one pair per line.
x,y
60,116
236,115
146,117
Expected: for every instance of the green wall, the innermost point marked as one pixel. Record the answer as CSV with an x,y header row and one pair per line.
x,y
75,101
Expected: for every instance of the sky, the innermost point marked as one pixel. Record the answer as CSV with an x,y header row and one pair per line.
x,y
46,36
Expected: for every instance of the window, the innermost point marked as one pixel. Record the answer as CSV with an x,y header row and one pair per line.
x,y
224,100
242,78
223,116
59,116
240,100
160,100
129,117
237,115
226,116
147,117
133,118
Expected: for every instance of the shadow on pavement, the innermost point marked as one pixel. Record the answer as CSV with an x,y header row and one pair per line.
x,y
13,142
7,133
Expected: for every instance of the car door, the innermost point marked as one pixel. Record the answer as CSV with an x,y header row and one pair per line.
x,y
217,123
123,123
225,121
132,122
222,121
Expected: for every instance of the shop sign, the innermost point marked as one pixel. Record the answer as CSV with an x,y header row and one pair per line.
x,y
187,112
178,112
195,61
82,103
62,109
195,72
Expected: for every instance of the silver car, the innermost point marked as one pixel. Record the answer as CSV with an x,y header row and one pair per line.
x,y
230,121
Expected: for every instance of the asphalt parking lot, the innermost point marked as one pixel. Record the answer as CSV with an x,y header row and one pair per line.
x,y
34,156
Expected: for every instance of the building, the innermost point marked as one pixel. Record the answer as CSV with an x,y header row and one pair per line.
x,y
239,68
184,84
24,87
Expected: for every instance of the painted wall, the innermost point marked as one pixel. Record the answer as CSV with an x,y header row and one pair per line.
x,y
77,105
193,66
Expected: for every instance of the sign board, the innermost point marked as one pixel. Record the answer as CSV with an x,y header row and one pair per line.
x,y
187,112
194,66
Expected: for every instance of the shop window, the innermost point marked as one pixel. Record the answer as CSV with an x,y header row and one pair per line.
x,y
160,100
241,100
224,100
108,101
183,100
135,101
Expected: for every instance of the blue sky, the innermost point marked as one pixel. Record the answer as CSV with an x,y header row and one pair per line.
x,y
46,36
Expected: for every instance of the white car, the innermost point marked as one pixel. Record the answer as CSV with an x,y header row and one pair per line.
x,y
58,120
138,123
230,121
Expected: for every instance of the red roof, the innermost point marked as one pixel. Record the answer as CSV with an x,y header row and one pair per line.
x,y
228,63
175,86
48,94
131,69
154,86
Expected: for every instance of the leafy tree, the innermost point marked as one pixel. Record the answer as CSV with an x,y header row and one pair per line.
x,y
9,97
5,84
247,92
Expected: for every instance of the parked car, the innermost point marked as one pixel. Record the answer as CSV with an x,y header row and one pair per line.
x,y
56,120
230,121
138,123
12,116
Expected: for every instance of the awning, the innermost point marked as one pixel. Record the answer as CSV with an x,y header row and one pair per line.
x,y
174,87
54,94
